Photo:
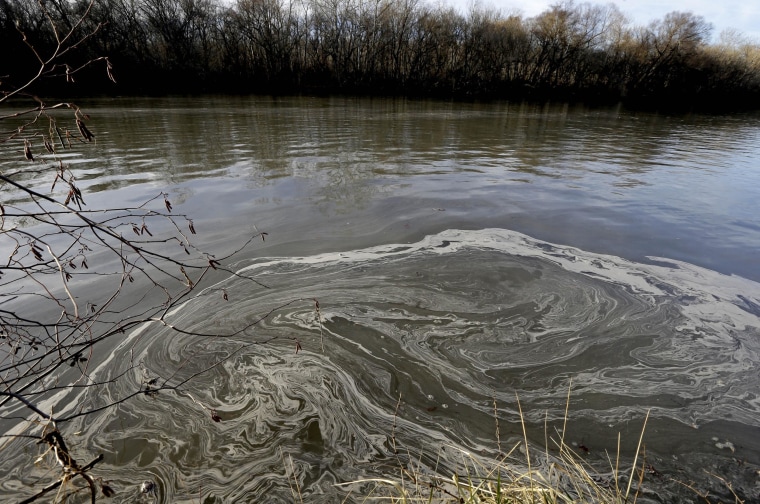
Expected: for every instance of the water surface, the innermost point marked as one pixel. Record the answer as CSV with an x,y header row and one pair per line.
x,y
462,255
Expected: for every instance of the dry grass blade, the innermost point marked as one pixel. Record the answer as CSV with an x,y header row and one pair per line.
x,y
297,490
563,477
636,457
525,439
402,495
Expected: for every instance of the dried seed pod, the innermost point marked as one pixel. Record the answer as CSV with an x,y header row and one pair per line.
x,y
168,205
60,137
190,225
48,145
87,134
109,67
75,194
28,150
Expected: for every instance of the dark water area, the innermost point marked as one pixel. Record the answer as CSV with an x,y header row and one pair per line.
x,y
463,255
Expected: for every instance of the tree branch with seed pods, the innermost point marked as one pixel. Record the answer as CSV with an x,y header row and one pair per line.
x,y
73,277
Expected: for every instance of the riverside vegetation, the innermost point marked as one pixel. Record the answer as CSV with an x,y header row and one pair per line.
x,y
580,51
75,278
526,474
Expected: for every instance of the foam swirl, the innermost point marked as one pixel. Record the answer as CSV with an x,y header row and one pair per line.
x,y
450,324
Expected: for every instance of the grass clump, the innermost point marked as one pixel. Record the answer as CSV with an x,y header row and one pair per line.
x,y
555,475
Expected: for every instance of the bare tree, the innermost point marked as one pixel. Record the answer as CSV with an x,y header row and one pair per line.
x,y
668,50
73,277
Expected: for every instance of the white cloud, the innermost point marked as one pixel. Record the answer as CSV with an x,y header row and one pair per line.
x,y
742,15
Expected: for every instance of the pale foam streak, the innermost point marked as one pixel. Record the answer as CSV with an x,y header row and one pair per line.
x,y
450,324
462,317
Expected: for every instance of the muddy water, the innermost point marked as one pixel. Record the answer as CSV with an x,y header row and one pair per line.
x,y
463,255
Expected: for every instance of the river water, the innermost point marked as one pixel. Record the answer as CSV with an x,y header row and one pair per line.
x,y
462,255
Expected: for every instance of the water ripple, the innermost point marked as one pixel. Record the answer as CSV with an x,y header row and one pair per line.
x,y
420,340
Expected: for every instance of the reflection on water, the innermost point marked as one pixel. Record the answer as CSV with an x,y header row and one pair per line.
x,y
628,297
601,179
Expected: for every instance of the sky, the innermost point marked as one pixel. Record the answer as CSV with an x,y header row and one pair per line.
x,y
741,15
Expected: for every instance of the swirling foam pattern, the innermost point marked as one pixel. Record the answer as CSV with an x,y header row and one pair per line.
x,y
452,324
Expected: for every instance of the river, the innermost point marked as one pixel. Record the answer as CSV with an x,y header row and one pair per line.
x,y
463,255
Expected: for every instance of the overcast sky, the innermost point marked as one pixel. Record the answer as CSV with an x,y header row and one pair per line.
x,y
742,15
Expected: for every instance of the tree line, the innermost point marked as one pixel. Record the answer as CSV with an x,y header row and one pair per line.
x,y
570,51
